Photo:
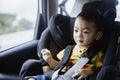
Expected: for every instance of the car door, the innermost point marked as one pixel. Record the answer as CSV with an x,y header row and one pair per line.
x,y
19,33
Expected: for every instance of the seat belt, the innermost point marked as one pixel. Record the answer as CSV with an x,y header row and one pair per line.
x,y
68,75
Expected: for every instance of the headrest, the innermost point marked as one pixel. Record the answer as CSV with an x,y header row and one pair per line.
x,y
61,28
106,8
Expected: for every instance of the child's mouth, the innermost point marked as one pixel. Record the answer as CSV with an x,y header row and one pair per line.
x,y
81,41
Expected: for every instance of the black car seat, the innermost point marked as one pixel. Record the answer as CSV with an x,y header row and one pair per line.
x,y
111,65
55,37
60,34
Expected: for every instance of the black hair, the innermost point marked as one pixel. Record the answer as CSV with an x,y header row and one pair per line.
x,y
94,16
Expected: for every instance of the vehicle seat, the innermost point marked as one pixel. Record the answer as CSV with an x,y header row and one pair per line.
x,y
55,37
111,65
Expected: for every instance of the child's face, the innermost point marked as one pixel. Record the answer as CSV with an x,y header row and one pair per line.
x,y
85,32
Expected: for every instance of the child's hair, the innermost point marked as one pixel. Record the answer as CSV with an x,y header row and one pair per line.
x,y
94,16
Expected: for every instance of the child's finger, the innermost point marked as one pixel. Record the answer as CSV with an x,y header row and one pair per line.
x,y
43,50
81,77
76,74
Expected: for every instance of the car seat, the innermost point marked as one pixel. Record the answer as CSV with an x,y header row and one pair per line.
x,y
108,11
60,34
111,65
55,37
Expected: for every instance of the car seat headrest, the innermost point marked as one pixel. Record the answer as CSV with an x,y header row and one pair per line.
x,y
61,28
106,8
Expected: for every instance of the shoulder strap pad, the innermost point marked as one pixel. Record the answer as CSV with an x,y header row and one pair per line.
x,y
64,60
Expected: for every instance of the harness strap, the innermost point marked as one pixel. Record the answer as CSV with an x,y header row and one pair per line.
x,y
66,56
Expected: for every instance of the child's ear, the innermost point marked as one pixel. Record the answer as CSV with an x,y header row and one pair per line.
x,y
99,35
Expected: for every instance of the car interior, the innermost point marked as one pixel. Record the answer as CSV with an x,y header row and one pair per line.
x,y
54,31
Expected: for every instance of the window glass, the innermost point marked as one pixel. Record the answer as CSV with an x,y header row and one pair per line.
x,y
118,11
17,22
68,5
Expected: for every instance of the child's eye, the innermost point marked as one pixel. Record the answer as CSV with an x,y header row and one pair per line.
x,y
75,30
86,32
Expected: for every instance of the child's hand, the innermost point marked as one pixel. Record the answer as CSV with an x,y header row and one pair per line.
x,y
46,54
82,74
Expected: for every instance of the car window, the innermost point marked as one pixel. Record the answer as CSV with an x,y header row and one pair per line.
x,y
118,11
17,22
68,6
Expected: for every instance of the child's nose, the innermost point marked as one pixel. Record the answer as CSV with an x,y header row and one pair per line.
x,y
80,35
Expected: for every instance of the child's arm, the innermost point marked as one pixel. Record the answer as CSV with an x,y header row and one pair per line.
x,y
82,73
47,56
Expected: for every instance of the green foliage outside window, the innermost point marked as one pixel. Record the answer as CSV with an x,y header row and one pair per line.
x,y
7,24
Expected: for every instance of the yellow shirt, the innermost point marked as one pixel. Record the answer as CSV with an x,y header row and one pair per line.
x,y
78,52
